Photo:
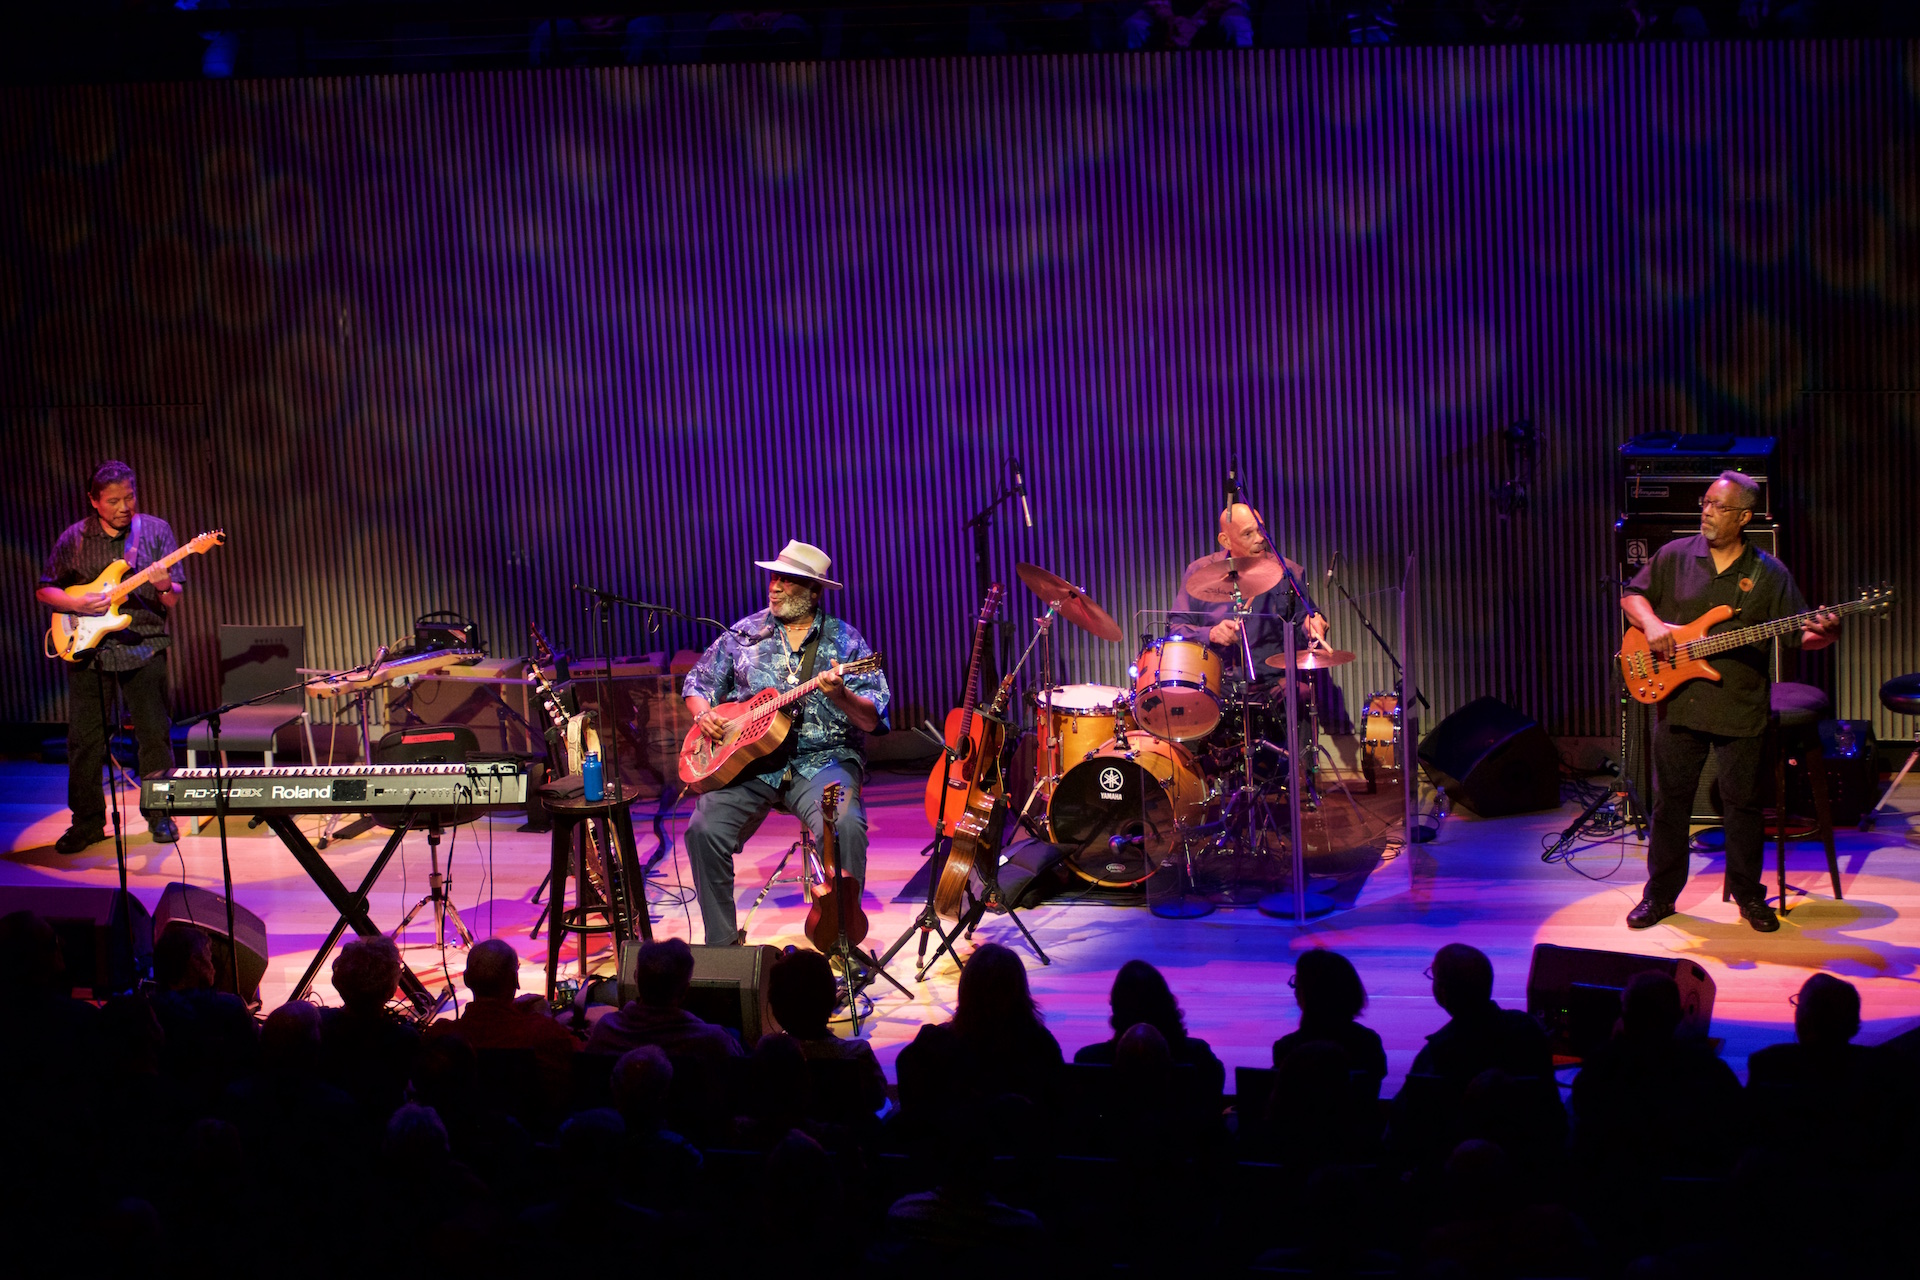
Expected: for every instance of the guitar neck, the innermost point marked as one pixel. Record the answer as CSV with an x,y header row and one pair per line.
x,y
973,678
130,585
1707,646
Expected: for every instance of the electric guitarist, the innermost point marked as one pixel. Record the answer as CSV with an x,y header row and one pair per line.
x,y
1725,717
793,640
129,666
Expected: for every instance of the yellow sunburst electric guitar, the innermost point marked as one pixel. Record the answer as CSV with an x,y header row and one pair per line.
x,y
72,634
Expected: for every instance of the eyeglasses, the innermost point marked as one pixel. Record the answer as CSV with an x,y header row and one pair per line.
x,y
1427,973
1714,504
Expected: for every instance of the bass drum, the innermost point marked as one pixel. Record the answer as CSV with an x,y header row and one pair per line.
x,y
1123,811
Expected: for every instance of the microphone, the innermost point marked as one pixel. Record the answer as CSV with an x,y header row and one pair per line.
x,y
1332,560
1020,487
1123,842
1233,479
767,632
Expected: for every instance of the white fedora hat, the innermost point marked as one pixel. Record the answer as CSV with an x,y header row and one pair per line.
x,y
802,560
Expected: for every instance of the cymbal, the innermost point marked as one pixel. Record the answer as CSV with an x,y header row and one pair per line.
x,y
1312,659
1213,580
1070,601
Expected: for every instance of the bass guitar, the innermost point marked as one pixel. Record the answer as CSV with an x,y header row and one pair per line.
x,y
755,729
948,785
835,918
1652,679
72,634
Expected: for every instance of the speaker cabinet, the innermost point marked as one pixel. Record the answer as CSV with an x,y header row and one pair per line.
x,y
91,922
729,987
185,906
1493,760
1576,993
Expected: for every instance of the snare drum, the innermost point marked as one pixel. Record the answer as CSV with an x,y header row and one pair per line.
x,y
1176,689
1080,723
1123,811
1380,735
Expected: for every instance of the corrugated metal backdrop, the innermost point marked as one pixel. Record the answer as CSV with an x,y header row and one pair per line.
x,y
464,341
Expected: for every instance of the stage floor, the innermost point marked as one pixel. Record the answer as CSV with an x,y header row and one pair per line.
x,y
1481,882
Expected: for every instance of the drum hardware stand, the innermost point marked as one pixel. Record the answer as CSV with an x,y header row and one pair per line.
x,y
928,920
799,877
1422,834
980,524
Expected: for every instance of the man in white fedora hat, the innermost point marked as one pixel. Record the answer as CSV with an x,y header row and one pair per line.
x,y
784,645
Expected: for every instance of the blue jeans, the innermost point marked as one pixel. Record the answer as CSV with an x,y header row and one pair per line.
x,y
724,820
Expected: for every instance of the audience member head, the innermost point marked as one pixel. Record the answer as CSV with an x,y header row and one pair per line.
x,y
777,1079
1141,1054
1479,1179
1462,978
1828,1014
367,973
1140,994
1650,1008
493,970
663,971
641,1081
591,1144
30,961
415,1137
1327,988
800,992
934,1073
131,1036
798,1177
994,999
290,1040
183,959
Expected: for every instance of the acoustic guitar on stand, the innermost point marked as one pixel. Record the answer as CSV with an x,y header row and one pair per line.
x,y
755,730
72,634
1652,679
948,785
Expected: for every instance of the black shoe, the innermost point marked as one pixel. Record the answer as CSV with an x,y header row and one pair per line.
x,y
77,838
1651,911
1757,913
163,831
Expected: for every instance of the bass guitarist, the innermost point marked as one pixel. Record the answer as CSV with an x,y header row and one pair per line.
x,y
131,661
1727,717
789,641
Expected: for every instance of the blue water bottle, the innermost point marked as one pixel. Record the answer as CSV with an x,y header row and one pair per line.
x,y
591,775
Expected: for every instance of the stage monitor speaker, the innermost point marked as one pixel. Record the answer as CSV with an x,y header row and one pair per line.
x,y
91,923
187,906
1493,759
729,987
1576,993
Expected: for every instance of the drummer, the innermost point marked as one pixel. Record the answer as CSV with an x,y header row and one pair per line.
x,y
1272,608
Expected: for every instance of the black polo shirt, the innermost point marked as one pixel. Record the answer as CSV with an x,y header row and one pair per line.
x,y
1681,583
83,553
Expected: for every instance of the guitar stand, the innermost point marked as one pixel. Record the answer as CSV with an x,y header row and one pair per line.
x,y
991,899
439,896
927,920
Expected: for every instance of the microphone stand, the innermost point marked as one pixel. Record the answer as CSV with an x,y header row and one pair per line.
x,y
1378,639
980,523
212,721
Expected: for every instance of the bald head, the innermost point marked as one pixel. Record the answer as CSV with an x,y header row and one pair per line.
x,y
493,970
1240,531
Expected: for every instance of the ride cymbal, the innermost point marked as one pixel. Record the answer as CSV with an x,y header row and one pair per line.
x,y
1312,659
1213,580
1071,603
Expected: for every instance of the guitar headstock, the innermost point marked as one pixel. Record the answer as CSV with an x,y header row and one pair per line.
x,y
542,651
1877,600
830,802
205,542
991,605
860,666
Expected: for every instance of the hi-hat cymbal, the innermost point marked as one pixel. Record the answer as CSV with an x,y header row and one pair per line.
x,y
1070,601
1312,659
1213,580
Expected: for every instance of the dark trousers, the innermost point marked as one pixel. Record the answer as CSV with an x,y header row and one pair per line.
x,y
724,820
91,706
1679,755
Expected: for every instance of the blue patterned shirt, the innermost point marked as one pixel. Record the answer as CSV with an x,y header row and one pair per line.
x,y
732,670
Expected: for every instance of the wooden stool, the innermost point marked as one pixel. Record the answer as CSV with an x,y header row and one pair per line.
x,y
1793,727
570,813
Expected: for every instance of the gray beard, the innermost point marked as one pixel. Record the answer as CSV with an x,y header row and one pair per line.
x,y
795,609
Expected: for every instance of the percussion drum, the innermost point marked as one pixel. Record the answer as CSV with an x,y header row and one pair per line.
x,y
1380,736
1080,722
1176,689
1123,811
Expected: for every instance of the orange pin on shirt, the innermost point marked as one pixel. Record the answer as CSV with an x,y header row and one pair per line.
x,y
1746,584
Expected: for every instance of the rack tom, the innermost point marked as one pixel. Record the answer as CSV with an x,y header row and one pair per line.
x,y
1079,722
1177,690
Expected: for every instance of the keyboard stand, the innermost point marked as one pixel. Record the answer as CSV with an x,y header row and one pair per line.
x,y
351,906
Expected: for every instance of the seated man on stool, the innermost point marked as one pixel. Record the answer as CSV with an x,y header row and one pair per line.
x,y
790,640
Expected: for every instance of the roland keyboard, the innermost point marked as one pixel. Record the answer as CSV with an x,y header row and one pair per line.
x,y
340,788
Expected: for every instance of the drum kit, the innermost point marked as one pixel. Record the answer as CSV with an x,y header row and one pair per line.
x,y
1183,761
